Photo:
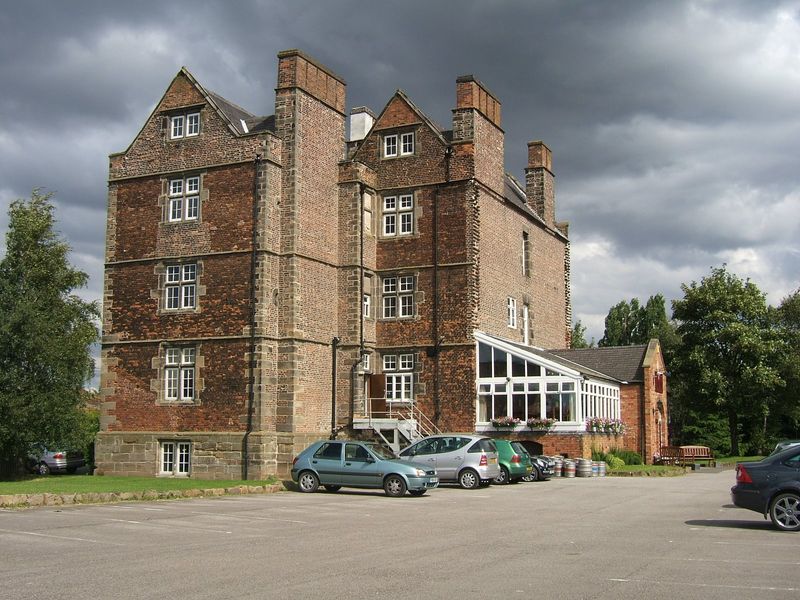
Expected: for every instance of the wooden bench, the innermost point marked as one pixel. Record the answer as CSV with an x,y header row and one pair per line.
x,y
687,455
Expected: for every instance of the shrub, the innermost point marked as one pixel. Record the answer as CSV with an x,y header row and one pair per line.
x,y
615,462
629,456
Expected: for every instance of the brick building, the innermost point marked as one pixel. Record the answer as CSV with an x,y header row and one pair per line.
x,y
269,282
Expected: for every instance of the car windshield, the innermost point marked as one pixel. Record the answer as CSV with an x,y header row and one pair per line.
x,y
380,451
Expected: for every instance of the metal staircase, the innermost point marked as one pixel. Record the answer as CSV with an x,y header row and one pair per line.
x,y
398,424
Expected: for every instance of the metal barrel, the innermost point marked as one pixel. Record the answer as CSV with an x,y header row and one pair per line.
x,y
595,468
569,468
584,468
557,468
602,469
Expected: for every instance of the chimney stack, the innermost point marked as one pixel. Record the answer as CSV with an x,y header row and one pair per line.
x,y
361,121
540,182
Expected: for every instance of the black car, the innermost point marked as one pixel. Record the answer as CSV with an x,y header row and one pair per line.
x,y
771,487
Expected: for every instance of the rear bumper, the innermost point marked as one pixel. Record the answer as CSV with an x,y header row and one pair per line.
x,y
748,498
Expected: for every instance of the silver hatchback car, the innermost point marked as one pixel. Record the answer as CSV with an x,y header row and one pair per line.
x,y
471,460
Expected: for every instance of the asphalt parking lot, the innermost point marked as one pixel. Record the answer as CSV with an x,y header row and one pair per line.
x,y
582,538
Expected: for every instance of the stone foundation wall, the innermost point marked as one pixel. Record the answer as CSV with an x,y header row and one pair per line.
x,y
215,455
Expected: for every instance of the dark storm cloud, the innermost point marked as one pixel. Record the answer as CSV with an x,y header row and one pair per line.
x,y
674,125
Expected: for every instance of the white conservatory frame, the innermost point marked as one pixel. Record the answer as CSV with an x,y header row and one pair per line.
x,y
593,395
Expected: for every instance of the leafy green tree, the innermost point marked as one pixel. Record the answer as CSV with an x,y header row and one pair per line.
x,y
629,323
728,351
578,337
785,421
45,335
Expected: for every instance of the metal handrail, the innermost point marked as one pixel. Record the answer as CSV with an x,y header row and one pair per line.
x,y
406,411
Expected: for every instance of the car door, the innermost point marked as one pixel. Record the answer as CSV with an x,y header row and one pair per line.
x,y
450,456
423,452
327,461
360,467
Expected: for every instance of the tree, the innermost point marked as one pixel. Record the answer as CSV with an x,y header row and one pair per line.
x,y
45,335
629,323
578,337
786,416
728,349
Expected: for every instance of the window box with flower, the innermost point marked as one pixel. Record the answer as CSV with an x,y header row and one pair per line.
x,y
604,425
505,422
537,424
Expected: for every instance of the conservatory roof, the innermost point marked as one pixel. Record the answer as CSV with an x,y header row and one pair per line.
x,y
546,357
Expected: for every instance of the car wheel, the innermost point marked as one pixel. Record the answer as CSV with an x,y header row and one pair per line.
x,y
333,488
417,492
308,482
468,479
394,486
535,475
42,469
503,478
785,512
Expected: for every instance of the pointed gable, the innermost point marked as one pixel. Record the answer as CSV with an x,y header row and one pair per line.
x,y
209,126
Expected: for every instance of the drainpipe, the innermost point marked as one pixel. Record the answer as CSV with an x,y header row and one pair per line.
x,y
252,378
334,348
361,190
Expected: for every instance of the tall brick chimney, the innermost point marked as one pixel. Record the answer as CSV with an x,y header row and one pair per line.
x,y
540,182
478,138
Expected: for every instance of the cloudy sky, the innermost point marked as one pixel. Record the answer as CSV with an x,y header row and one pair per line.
x,y
674,126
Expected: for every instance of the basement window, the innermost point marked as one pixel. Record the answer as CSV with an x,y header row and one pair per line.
x,y
175,459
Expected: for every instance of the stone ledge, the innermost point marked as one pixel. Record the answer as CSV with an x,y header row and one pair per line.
x,y
35,500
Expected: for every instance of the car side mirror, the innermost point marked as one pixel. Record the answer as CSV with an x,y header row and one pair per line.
x,y
370,459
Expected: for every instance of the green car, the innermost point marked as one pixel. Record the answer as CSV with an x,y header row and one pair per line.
x,y
349,463
514,465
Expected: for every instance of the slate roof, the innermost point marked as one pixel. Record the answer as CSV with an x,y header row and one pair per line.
x,y
236,114
620,362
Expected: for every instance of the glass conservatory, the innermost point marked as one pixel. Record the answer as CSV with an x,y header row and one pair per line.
x,y
522,382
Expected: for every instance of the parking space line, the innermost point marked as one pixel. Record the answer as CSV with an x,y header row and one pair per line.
x,y
58,537
247,518
709,585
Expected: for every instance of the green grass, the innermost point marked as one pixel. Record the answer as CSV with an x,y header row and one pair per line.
x,y
730,460
86,484
648,470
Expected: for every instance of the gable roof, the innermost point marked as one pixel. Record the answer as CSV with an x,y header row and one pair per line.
x,y
620,362
437,130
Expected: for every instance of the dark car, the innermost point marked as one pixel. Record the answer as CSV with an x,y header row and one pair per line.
x,y
771,487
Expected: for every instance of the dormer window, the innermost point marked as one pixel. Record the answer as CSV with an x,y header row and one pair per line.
x,y
398,145
407,144
187,125
390,146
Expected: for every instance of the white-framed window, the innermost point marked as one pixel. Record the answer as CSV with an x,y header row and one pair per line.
x,y
367,306
526,254
406,144
176,458
180,287
512,312
179,374
184,199
398,215
398,371
365,361
389,146
186,125
192,124
398,297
